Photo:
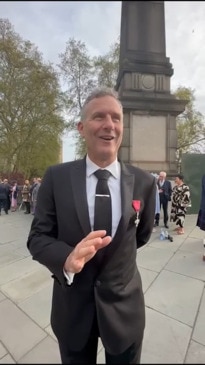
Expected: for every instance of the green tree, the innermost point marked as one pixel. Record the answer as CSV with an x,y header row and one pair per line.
x,y
190,125
77,71
30,106
81,73
107,66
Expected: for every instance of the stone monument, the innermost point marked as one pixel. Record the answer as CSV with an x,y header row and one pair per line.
x,y
143,84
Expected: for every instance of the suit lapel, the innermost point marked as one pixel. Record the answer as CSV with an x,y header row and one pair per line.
x,y
127,186
78,180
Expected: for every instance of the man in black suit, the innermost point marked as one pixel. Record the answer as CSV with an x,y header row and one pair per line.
x,y
165,192
97,286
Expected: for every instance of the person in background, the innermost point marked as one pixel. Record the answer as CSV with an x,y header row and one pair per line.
x,y
8,194
3,197
157,201
165,192
26,196
32,187
14,196
201,214
35,194
97,285
180,202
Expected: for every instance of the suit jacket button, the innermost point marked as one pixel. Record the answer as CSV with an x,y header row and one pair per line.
x,y
97,283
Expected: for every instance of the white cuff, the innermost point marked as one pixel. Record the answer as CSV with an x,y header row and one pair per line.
x,y
69,277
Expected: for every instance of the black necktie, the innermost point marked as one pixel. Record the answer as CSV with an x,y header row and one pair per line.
x,y
103,208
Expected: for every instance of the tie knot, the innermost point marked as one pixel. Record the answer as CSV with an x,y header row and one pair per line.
x,y
102,174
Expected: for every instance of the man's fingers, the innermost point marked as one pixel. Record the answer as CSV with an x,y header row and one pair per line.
x,y
95,234
84,251
90,247
95,238
89,252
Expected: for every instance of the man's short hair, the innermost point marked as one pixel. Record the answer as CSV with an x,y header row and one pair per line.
x,y
163,173
99,93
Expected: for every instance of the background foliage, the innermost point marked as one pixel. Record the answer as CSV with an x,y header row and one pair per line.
x,y
40,102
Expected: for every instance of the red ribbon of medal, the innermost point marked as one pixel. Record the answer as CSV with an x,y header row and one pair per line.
x,y
136,206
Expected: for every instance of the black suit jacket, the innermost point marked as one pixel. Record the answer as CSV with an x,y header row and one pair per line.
x,y
166,191
110,286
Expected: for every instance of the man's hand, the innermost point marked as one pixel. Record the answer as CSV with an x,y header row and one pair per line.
x,y
85,250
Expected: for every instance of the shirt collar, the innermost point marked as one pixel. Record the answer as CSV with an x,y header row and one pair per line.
x,y
114,168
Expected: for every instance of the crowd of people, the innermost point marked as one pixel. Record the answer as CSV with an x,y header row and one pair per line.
x,y
13,195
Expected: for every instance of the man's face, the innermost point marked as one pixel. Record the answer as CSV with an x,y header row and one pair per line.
x,y
102,129
161,177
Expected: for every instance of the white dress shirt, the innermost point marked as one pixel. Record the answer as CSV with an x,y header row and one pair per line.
x,y
161,183
114,186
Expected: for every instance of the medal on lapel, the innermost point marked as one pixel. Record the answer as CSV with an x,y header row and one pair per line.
x,y
136,206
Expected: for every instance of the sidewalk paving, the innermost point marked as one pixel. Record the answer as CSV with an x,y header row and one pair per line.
x,y
173,276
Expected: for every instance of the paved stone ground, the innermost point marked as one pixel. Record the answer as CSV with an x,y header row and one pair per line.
x,y
173,276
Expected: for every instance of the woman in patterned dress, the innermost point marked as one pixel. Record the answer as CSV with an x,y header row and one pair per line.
x,y
180,202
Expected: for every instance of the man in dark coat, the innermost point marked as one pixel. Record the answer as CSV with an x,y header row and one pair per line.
x,y
97,286
165,192
8,194
3,197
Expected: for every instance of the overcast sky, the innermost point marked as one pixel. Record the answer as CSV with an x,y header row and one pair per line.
x,y
49,25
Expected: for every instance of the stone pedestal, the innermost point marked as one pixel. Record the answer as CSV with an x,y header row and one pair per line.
x,y
143,84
